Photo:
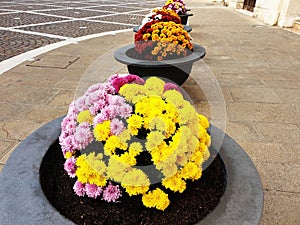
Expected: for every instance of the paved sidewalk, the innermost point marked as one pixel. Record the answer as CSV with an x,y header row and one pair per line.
x,y
257,67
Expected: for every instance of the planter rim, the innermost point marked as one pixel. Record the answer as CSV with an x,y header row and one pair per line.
x,y
121,56
23,201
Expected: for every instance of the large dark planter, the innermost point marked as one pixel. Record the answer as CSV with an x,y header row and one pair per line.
x,y
186,28
23,201
185,17
177,70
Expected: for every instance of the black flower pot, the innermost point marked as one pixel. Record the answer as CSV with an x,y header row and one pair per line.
x,y
185,17
176,70
24,202
186,28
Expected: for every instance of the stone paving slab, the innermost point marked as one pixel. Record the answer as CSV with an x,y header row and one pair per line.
x,y
18,19
70,4
280,208
259,151
31,7
76,28
263,112
243,94
15,43
279,132
123,18
117,8
274,177
77,13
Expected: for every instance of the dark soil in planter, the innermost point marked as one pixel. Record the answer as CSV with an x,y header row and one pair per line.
x,y
200,197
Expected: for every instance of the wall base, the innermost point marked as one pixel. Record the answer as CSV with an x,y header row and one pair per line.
x,y
268,16
287,21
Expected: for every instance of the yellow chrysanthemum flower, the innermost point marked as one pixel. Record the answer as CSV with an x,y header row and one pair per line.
x,y
154,139
197,157
203,121
112,143
90,170
161,153
116,170
130,91
124,136
136,146
174,97
135,122
174,183
85,116
102,131
135,182
168,167
158,123
156,198
127,157
154,86
68,155
191,171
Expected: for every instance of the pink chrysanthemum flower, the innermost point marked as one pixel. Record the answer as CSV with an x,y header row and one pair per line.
x,y
98,96
125,111
171,86
72,109
106,114
94,88
116,100
111,193
80,103
116,126
79,188
83,136
70,166
119,81
67,143
92,190
68,126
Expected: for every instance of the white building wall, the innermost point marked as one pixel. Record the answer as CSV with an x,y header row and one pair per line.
x,y
268,10
273,12
289,12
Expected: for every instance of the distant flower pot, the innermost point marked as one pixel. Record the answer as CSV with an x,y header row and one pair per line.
x,y
186,28
176,70
185,17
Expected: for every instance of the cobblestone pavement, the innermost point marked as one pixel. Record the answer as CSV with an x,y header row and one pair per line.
x,y
27,25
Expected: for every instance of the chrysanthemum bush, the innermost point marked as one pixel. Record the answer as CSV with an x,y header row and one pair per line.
x,y
133,137
161,15
162,40
177,6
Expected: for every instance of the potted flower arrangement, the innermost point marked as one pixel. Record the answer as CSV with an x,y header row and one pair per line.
x,y
133,152
161,48
162,15
179,7
141,151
